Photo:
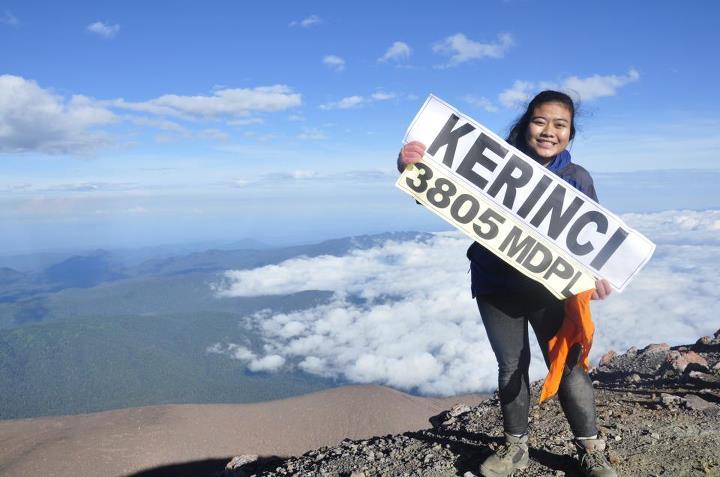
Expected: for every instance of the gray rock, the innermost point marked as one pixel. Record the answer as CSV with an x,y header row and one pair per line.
x,y
696,403
459,409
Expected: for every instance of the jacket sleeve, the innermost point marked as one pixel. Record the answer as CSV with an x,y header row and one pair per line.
x,y
400,167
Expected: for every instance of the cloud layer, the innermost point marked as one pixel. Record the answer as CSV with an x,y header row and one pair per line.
x,y
402,314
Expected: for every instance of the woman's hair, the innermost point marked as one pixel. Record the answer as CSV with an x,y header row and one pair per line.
x,y
517,132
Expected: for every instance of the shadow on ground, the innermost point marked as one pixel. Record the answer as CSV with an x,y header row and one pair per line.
x,y
197,468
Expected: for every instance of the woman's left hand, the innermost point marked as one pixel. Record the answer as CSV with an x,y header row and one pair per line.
x,y
602,289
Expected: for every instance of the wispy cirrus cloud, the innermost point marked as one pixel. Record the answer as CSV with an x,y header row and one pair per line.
x,y
311,134
356,101
104,30
481,102
7,18
398,51
226,102
461,49
307,22
348,102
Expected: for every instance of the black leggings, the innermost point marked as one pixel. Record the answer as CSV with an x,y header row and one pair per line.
x,y
506,323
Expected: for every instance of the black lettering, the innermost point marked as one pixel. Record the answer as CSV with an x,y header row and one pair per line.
x,y
534,196
440,195
489,218
545,260
449,138
470,214
601,224
609,248
566,291
561,268
424,174
506,178
476,156
512,240
553,206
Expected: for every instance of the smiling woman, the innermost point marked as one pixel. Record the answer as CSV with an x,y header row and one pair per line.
x,y
508,300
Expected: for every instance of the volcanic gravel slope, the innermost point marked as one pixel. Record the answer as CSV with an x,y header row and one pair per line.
x,y
658,409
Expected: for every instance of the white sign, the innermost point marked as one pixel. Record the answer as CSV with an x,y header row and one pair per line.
x,y
515,207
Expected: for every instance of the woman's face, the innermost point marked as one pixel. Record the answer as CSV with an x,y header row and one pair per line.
x,y
548,133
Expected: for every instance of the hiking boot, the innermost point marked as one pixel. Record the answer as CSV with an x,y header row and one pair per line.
x,y
591,454
510,456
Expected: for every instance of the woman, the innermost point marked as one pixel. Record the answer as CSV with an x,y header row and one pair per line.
x,y
508,300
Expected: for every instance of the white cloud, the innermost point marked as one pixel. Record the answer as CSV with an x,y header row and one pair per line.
x,y
35,119
223,102
7,18
481,102
269,363
163,124
461,49
348,102
382,96
402,315
334,62
311,133
596,86
397,52
519,94
245,121
104,30
582,89
213,134
311,21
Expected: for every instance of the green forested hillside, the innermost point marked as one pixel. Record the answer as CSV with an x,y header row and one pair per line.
x,y
96,363
102,331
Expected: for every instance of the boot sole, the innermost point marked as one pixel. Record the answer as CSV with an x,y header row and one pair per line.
x,y
491,473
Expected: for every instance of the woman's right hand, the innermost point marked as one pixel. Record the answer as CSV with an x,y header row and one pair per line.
x,y
410,153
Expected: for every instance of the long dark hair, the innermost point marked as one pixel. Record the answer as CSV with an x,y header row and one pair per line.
x,y
517,132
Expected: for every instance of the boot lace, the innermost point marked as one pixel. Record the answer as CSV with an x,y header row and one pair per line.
x,y
594,459
505,449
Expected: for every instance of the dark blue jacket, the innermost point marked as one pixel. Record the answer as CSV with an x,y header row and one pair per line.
x,y
490,274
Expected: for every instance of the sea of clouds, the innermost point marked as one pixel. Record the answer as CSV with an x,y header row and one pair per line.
x,y
401,313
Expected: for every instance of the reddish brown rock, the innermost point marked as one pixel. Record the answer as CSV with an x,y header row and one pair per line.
x,y
679,361
607,358
656,348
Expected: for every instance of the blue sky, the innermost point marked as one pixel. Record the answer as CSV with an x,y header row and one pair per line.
x,y
131,123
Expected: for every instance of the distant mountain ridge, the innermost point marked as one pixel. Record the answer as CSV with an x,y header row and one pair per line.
x,y
92,331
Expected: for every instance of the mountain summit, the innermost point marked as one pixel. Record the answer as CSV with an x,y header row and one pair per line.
x,y
658,409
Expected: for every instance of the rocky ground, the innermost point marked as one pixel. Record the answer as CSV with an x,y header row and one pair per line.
x,y
658,409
